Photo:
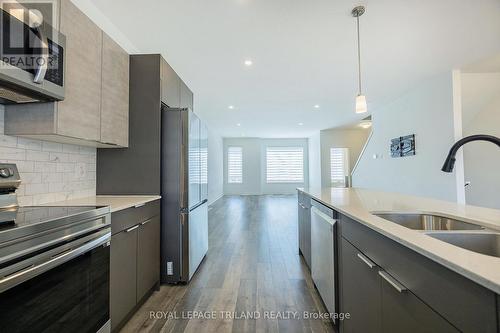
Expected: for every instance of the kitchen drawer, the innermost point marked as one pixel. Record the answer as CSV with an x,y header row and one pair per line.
x,y
129,217
467,305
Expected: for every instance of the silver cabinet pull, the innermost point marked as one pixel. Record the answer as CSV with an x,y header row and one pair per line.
x,y
392,281
145,222
132,229
367,261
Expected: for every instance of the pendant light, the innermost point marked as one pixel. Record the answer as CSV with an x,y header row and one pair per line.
x,y
361,106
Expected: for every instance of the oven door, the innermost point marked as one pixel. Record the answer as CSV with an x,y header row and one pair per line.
x,y
67,291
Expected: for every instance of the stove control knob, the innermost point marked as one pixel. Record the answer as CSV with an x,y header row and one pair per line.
x,y
5,173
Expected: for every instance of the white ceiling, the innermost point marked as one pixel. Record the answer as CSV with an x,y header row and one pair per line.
x,y
303,52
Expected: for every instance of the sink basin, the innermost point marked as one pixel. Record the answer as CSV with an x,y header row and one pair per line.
x,y
488,244
428,222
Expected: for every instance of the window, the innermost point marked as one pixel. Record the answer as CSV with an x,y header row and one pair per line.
x,y
235,165
204,165
339,166
284,165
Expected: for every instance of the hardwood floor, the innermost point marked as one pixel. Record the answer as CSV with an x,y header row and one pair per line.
x,y
252,268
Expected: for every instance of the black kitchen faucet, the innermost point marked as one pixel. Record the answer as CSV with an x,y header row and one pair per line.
x,y
449,163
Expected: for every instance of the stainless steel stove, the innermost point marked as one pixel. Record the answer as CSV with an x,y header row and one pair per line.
x,y
54,264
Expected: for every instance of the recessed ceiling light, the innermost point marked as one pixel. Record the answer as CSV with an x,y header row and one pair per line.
x,y
231,107
238,124
301,124
248,62
316,106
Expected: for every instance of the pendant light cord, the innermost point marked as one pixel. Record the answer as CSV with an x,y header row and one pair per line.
x,y
359,57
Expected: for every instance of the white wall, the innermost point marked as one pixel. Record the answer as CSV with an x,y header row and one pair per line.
x,y
49,171
254,167
481,107
427,112
353,139
314,150
215,167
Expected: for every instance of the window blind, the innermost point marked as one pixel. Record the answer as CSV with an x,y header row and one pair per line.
x,y
234,165
339,166
284,165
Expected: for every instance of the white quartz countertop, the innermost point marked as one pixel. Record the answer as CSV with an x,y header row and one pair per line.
x,y
359,203
115,202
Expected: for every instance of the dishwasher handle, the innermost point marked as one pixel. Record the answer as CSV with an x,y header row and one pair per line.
x,y
323,216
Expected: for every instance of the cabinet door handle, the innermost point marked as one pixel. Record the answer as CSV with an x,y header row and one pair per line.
x,y
392,281
145,222
367,261
132,229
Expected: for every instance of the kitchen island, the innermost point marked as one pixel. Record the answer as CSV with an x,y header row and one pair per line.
x,y
394,277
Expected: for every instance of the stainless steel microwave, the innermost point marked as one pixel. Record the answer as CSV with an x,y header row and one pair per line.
x,y
31,61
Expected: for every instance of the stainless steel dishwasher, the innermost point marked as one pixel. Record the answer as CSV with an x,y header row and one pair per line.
x,y
323,253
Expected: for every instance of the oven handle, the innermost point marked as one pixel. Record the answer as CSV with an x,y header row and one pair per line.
x,y
32,271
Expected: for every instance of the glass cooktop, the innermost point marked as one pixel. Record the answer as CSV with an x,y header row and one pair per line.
x,y
19,217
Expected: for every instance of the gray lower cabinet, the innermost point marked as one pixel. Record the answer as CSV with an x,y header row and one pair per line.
x,y
148,259
360,293
387,287
402,311
377,302
135,259
123,275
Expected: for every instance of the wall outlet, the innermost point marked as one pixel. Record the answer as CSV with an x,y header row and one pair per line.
x,y
170,268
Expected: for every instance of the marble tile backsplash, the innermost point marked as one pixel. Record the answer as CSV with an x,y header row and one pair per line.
x,y
49,171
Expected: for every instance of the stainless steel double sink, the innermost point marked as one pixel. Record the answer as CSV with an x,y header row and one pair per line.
x,y
465,235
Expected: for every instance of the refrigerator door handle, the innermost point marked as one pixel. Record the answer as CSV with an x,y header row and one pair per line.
x,y
201,203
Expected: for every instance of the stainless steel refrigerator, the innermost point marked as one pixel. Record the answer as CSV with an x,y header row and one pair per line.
x,y
184,190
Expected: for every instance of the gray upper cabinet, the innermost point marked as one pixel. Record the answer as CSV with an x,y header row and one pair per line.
x,y
115,93
95,109
79,114
170,85
187,100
